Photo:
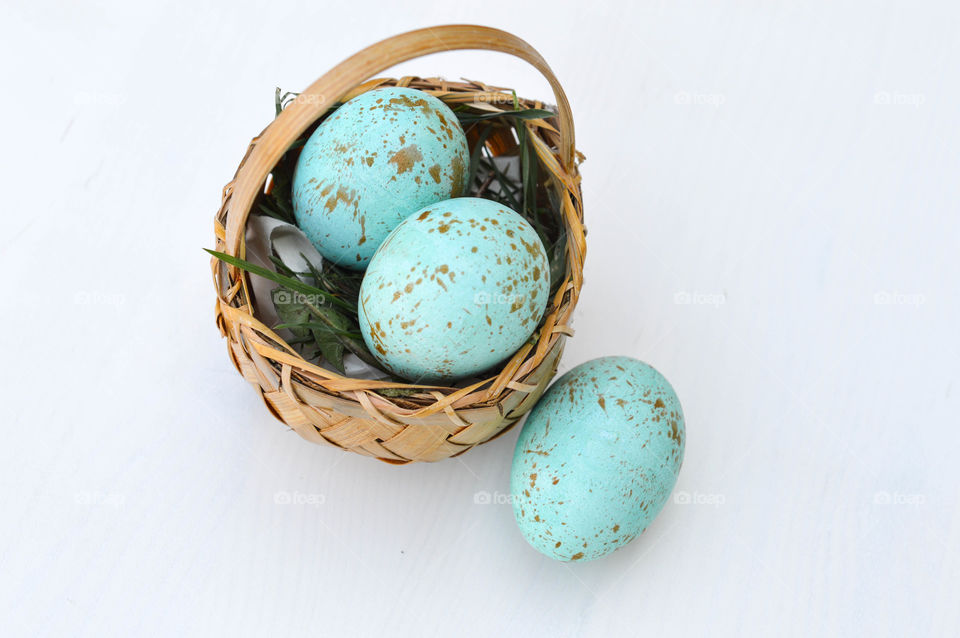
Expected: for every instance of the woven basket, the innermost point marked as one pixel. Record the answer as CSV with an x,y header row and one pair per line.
x,y
324,407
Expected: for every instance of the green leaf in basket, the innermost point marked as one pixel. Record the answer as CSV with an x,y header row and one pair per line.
x,y
524,114
475,155
329,336
287,282
529,176
299,340
282,267
317,277
507,194
269,208
324,326
291,312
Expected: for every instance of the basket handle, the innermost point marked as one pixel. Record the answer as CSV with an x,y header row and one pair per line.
x,y
333,85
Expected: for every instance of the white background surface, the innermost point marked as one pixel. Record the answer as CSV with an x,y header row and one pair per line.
x,y
789,168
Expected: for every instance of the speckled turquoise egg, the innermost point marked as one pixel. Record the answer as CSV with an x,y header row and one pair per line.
x,y
381,156
454,290
597,458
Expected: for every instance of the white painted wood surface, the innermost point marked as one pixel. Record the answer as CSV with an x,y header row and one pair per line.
x,y
772,198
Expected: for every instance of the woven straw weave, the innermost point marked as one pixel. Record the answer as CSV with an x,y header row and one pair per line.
x,y
435,422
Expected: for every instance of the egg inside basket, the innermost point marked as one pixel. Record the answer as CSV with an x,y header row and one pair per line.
x,y
323,383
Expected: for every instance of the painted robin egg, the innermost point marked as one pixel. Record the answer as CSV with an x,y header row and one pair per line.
x,y
454,290
381,156
597,458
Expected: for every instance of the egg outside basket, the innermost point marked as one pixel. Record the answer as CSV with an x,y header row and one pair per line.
x,y
433,423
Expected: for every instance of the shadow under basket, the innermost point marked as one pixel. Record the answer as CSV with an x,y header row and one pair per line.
x,y
428,423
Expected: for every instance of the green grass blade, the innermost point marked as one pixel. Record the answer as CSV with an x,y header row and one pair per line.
x,y
289,282
524,114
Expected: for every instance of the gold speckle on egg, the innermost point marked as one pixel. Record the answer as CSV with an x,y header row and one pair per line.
x,y
406,157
